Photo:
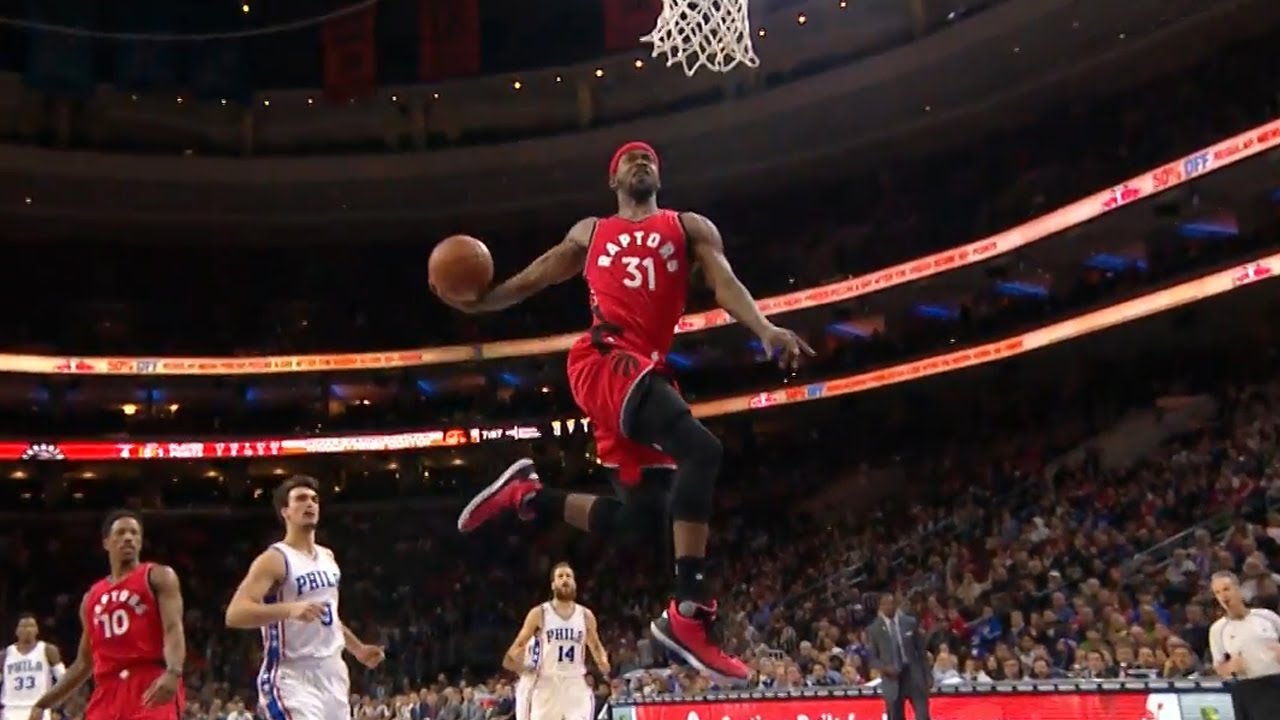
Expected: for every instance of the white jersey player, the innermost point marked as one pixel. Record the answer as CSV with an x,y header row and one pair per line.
x,y
565,631
31,667
527,675
291,594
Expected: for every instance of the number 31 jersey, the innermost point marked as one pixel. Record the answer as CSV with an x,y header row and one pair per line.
x,y
638,275
123,620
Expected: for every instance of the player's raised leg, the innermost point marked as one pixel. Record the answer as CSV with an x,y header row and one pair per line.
x,y
658,415
634,514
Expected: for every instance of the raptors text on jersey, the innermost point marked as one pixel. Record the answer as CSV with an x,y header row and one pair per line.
x,y
638,274
123,619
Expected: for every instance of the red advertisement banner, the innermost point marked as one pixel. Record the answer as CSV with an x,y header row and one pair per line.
x,y
1156,302
276,447
1021,706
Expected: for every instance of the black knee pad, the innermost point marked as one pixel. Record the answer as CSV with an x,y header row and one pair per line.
x,y
656,414
697,453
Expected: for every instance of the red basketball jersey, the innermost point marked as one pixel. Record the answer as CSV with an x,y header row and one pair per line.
x,y
124,624
638,275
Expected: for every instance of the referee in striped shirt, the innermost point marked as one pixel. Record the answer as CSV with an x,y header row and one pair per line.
x,y
1245,645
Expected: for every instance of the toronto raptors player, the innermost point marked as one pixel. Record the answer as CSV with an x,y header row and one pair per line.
x,y
132,643
636,265
565,632
31,667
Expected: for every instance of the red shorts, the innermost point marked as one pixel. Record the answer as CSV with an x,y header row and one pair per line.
x,y
601,384
119,697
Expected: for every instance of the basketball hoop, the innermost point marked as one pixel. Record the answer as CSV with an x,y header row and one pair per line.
x,y
715,34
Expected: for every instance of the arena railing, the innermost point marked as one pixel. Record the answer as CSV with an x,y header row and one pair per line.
x,y
1206,286
1065,699
1208,160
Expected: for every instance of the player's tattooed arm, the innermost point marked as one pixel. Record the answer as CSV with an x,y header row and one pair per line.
x,y
164,582
559,264
76,675
708,249
532,624
598,653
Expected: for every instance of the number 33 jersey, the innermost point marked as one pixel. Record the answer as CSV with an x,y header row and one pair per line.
x,y
311,579
638,275
123,620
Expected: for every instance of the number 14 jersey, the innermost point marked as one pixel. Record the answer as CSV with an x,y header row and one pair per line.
x,y
561,648
638,275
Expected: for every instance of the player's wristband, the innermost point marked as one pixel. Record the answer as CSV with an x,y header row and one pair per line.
x,y
176,672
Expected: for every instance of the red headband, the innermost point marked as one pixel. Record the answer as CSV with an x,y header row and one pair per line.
x,y
628,147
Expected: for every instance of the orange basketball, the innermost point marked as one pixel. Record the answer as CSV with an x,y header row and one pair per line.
x,y
460,268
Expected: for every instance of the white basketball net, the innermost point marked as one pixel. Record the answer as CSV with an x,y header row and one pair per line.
x,y
715,34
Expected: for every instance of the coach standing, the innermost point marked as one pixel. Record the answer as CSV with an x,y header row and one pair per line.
x,y
896,646
1245,645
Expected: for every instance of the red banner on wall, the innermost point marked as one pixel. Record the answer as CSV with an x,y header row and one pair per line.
x,y
1022,706
450,38
350,56
625,21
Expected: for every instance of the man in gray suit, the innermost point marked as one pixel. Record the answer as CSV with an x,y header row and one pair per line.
x,y
896,644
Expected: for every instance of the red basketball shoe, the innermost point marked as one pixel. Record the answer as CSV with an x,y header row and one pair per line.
x,y
691,635
506,494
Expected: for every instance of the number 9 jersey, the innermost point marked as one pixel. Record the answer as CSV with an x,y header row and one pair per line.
x,y
311,579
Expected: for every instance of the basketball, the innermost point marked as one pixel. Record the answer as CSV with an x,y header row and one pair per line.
x,y
460,268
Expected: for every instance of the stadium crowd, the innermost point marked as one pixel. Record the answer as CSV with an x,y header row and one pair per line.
x,y
1031,554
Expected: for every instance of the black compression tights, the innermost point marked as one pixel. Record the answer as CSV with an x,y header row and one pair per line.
x,y
657,415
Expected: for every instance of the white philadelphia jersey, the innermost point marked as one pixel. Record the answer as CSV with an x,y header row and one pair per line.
x,y
306,579
27,676
562,642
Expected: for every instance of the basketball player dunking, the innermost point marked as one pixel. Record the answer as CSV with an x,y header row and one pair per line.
x,y
132,643
564,631
31,667
291,594
637,266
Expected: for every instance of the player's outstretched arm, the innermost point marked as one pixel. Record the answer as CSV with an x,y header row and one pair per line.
x,y
732,295
247,609
75,676
560,263
598,653
532,624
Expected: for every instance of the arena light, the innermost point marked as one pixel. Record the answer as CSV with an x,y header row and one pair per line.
x,y
935,311
1223,281
1216,157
